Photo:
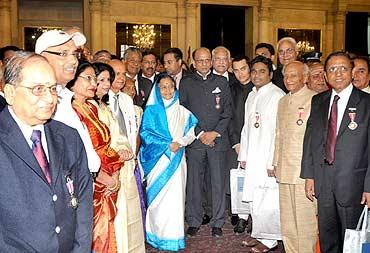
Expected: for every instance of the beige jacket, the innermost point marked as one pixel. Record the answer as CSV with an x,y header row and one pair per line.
x,y
293,112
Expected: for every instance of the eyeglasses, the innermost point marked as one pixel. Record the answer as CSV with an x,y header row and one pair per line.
x,y
65,53
202,61
89,78
289,51
135,62
336,69
40,90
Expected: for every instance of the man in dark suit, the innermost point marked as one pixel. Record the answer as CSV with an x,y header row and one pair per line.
x,y
2,102
207,96
172,61
133,59
46,188
335,159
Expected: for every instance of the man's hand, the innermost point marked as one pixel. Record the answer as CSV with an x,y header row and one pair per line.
x,y
208,138
271,173
243,164
366,199
125,155
174,146
237,148
309,189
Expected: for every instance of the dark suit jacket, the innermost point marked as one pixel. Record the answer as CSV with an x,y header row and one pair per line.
x,y
30,208
145,86
200,97
351,155
2,103
278,79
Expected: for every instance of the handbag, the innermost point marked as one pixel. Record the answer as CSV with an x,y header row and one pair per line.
x,y
236,192
266,211
355,238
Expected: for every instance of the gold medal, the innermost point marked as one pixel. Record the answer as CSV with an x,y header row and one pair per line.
x,y
74,202
299,122
352,125
256,125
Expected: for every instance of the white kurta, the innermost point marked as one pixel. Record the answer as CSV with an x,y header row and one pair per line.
x,y
257,143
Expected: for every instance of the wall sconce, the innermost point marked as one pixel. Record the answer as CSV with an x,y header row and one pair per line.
x,y
305,47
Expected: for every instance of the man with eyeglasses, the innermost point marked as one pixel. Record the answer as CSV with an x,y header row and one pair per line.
x,y
148,65
208,97
287,52
133,58
46,189
335,162
60,49
316,79
172,60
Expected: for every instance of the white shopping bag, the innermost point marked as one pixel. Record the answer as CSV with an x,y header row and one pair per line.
x,y
266,211
354,238
236,191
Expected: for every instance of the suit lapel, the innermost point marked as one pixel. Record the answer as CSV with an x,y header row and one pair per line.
x,y
324,108
55,152
353,100
17,143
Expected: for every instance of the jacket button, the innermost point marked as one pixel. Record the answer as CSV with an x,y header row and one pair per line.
x,y
57,229
55,197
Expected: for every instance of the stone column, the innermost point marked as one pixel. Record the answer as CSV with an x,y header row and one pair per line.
x,y
96,25
192,39
181,27
5,23
339,30
108,37
265,31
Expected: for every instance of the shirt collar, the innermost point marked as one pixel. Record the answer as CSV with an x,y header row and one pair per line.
x,y
345,93
25,128
204,77
298,93
226,74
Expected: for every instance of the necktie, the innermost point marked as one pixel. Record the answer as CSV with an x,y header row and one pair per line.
x,y
39,153
331,138
119,116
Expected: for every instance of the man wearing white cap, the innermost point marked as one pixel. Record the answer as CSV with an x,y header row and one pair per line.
x,y
60,49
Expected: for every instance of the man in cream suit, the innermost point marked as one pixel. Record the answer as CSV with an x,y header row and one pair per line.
x,y
297,213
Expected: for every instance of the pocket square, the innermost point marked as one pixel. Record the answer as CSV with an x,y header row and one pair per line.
x,y
217,90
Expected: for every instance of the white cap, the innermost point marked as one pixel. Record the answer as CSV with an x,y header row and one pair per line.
x,y
54,38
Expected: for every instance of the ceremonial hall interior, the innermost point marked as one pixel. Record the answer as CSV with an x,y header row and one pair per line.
x,y
317,25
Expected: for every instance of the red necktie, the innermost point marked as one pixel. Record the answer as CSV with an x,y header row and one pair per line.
x,y
39,153
331,138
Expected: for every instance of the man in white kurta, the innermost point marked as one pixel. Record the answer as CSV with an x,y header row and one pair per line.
x,y
256,154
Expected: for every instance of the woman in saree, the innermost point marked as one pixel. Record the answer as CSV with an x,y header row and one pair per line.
x,y
128,221
107,182
166,128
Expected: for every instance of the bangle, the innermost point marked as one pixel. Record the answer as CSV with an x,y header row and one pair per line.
x,y
115,187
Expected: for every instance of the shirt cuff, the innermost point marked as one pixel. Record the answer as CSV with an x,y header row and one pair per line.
x,y
198,136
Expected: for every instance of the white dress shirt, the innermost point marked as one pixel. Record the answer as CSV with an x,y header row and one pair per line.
x,y
67,115
342,103
27,132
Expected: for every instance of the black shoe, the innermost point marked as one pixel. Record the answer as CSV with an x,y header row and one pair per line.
x,y
240,226
216,232
234,219
206,219
249,224
192,231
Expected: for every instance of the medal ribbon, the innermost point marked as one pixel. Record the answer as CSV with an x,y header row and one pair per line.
x,y
257,117
352,116
300,113
70,186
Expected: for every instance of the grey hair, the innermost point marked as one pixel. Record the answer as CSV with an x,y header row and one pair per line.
x,y
291,40
131,50
15,65
306,69
214,51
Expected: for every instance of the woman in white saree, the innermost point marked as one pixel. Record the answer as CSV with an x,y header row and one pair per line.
x,y
167,127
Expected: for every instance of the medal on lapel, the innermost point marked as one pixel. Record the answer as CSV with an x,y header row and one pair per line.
x,y
352,115
74,200
218,98
300,115
257,124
